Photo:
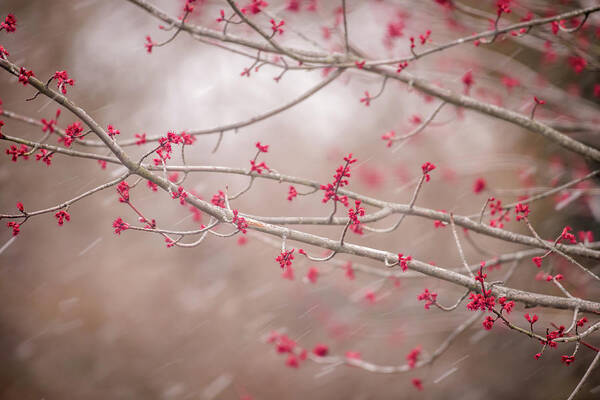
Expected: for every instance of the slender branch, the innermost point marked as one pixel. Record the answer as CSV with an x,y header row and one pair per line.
x,y
585,376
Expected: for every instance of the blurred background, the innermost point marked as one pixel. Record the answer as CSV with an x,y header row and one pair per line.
x,y
87,314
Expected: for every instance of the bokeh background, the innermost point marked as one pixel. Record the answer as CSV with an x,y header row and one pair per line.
x,y
87,314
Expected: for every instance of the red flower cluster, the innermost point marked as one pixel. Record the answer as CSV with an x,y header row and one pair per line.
x,y
427,168
312,275
45,156
259,168
9,24
413,356
73,132
531,319
522,211
123,190
149,44
254,7
262,148
61,216
321,350
219,199
488,323
276,27
48,126
240,222
292,193
120,226
16,152
506,305
481,302
112,131
403,261
180,194
285,258
353,215
24,75
389,136
339,181
567,235
429,297
503,6
479,185
62,80
15,227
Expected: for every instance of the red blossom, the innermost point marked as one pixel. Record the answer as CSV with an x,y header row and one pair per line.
x,y
349,271
149,44
120,226
24,75
312,275
428,297
288,272
240,222
62,80
366,99
522,211
262,148
403,261
479,185
73,132
417,383
582,322
180,194
427,168
577,63
401,66
481,302
567,235
16,152
389,136
61,216
510,82
585,236
537,261
45,156
292,193
292,361
567,360
506,305
503,6
9,24
140,138
219,199
531,319
254,7
413,356
339,181
259,168
321,350
277,27
467,80
488,323
15,227
285,258
112,131
153,186
3,52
